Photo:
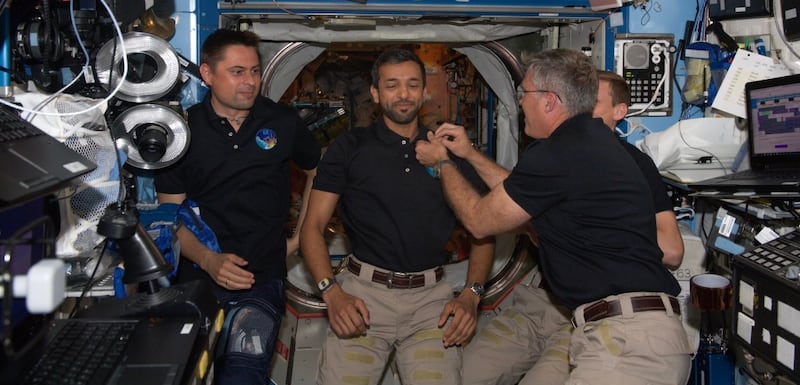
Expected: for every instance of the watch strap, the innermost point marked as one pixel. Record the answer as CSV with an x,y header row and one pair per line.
x,y
325,284
437,167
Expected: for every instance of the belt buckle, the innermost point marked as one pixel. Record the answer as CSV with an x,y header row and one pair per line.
x,y
394,274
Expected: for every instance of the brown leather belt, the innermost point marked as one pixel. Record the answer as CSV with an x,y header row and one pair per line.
x,y
394,280
604,309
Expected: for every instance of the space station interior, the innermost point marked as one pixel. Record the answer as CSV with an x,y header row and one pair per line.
x,y
112,80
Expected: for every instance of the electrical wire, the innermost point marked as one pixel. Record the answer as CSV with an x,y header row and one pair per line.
x,y
655,6
86,66
699,30
632,130
652,99
696,31
90,282
787,206
76,32
121,196
105,100
686,113
713,156
705,234
118,42
600,24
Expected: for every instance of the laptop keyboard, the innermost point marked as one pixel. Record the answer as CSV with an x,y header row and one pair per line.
x,y
13,127
83,352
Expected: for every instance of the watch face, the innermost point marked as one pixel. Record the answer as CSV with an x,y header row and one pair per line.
x,y
477,288
324,284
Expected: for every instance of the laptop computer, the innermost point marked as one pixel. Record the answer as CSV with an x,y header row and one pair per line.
x,y
32,163
118,351
161,338
773,123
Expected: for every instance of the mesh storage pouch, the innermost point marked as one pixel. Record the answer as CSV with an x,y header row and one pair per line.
x,y
88,134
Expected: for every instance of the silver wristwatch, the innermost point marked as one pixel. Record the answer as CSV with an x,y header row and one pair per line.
x,y
477,288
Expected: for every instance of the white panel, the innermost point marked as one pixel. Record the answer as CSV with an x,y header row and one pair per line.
x,y
576,36
305,366
785,353
185,38
744,327
789,318
694,256
644,61
746,293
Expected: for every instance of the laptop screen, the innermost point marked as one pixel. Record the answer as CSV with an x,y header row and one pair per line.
x,y
774,122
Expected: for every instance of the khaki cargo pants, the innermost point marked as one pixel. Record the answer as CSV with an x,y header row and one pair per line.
x,y
403,321
514,341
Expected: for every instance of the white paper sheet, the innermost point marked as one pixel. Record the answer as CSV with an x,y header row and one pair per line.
x,y
746,67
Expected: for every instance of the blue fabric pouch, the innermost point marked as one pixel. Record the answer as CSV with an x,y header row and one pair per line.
x,y
188,217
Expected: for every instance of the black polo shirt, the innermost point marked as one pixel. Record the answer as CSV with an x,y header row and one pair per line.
x,y
597,235
650,172
240,180
392,209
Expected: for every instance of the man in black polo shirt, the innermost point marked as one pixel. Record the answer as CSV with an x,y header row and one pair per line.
x,y
528,342
582,193
237,171
391,297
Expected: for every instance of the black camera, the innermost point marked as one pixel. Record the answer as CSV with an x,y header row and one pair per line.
x,y
54,40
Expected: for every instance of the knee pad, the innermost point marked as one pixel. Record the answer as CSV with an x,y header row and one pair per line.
x,y
250,328
246,342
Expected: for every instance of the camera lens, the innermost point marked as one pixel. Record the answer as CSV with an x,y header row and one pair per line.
x,y
151,140
35,42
